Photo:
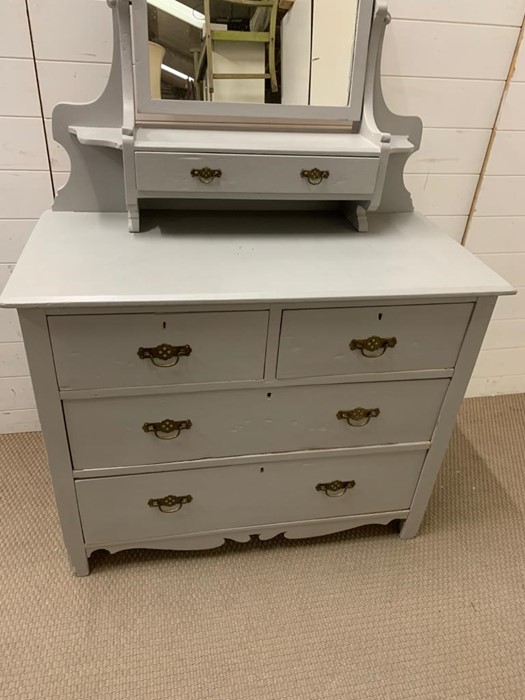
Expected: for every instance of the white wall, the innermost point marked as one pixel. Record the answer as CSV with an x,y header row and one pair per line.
x,y
497,235
25,191
446,60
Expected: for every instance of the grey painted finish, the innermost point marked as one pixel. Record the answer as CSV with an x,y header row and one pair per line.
x,y
101,351
128,122
307,524
317,342
107,136
305,143
40,359
303,455
268,384
290,530
254,174
97,174
391,194
108,432
207,258
116,508
238,306
447,417
104,179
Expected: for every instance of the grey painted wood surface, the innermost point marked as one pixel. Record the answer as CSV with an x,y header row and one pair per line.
x,y
40,359
208,260
97,184
306,143
254,174
447,417
108,432
74,259
290,530
235,428
303,455
101,351
97,174
392,194
116,508
317,342
268,384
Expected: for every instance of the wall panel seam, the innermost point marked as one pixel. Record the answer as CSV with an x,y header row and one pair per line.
x,y
492,139
40,101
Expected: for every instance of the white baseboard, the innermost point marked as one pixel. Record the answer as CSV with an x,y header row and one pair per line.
x,y
21,421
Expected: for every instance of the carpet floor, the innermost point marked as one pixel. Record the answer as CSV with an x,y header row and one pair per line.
x,y
358,616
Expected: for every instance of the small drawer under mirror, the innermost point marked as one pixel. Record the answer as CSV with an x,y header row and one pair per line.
x,y
214,174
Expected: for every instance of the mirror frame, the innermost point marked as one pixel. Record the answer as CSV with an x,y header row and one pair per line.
x,y
150,108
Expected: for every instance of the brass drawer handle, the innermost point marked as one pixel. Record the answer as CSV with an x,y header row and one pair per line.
x,y
373,346
164,429
164,353
335,488
206,175
169,504
315,176
358,417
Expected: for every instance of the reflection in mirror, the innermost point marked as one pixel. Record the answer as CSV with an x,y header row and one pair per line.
x,y
292,52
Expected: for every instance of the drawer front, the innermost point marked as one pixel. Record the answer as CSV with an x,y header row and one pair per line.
x,y
116,509
109,432
249,174
93,352
323,342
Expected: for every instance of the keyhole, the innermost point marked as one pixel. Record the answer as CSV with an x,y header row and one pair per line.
x,y
269,395
164,324
380,316
261,470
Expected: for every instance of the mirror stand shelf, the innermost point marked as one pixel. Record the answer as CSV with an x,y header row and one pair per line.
x,y
185,152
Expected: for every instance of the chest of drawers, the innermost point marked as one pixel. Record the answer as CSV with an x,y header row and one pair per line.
x,y
194,390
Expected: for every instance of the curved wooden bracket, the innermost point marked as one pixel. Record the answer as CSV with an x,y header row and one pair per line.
x,y
398,136
96,182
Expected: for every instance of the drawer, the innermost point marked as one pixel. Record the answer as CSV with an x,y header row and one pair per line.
x,y
323,342
102,351
251,174
108,432
116,509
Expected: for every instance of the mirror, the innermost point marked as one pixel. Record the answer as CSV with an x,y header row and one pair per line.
x,y
289,52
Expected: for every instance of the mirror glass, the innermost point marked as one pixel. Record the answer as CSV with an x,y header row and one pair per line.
x,y
290,52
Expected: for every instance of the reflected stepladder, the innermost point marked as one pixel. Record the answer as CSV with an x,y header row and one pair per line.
x,y
289,52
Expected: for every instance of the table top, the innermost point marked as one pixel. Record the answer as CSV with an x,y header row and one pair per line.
x,y
91,259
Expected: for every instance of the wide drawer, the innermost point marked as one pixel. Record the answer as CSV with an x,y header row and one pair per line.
x,y
323,342
102,351
251,174
110,432
117,509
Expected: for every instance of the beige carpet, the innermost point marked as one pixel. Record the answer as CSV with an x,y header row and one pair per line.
x,y
362,615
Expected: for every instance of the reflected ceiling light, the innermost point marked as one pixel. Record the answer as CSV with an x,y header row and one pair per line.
x,y
171,70
180,11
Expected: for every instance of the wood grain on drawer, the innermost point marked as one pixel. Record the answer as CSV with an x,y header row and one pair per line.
x,y
101,351
318,342
108,432
251,174
117,509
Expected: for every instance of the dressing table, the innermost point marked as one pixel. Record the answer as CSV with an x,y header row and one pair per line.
x,y
235,323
